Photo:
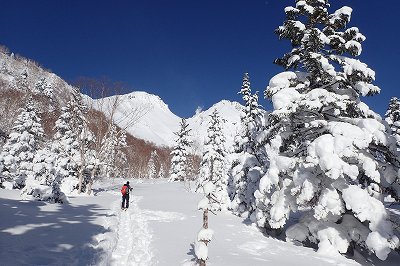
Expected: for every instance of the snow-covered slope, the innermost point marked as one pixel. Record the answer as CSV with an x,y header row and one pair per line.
x,y
147,117
228,111
143,115
19,73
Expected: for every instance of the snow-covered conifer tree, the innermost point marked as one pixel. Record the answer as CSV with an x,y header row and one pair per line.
x,y
213,165
161,172
23,142
151,165
66,148
72,142
330,157
112,158
212,182
180,153
43,87
245,171
43,184
22,81
392,116
108,151
121,161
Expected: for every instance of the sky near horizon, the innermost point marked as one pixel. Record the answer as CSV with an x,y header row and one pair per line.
x,y
191,53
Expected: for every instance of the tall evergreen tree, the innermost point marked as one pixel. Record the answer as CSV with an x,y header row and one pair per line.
x,y
72,145
23,142
212,182
251,117
66,148
329,155
213,165
245,171
180,152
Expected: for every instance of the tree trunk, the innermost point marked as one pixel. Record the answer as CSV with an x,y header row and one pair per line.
x,y
205,219
80,180
89,188
205,226
202,262
83,163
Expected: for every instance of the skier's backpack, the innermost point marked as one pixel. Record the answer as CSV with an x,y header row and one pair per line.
x,y
124,189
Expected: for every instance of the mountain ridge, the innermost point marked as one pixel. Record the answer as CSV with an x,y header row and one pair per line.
x,y
143,115
156,123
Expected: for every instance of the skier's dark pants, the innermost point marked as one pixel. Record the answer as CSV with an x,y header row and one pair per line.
x,y
125,201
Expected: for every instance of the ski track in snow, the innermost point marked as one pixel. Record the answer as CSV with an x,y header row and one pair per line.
x,y
133,236
133,245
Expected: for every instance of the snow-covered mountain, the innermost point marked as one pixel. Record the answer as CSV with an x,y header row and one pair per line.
x,y
147,117
143,115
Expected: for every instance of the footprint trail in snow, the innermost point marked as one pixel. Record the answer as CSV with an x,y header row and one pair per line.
x,y
133,246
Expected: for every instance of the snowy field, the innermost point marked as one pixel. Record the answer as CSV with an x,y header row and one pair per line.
x,y
158,229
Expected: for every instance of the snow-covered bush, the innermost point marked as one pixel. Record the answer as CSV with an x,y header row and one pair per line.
x,y
179,154
330,156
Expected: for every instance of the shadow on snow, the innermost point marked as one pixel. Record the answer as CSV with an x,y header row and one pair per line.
x,y
38,233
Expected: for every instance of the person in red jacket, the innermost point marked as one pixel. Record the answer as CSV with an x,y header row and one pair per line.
x,y
126,188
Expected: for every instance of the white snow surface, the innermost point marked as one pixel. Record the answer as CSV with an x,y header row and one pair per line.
x,y
159,228
156,123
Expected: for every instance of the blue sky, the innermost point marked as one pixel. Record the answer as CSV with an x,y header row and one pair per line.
x,y
189,52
